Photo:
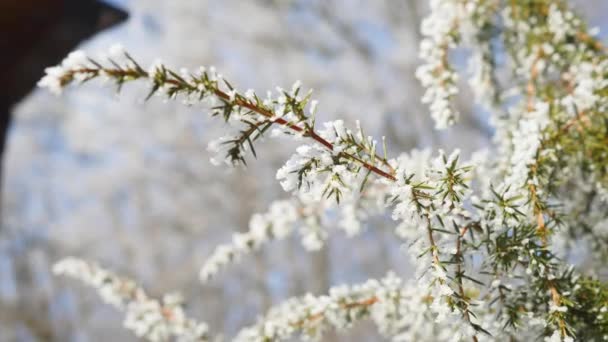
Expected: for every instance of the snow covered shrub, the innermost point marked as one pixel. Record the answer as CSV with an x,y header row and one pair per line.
x,y
492,237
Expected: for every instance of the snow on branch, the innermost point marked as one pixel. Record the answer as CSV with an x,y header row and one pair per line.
x,y
148,318
388,302
479,232
254,114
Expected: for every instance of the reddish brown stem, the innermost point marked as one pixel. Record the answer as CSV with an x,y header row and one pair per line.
x,y
307,132
364,303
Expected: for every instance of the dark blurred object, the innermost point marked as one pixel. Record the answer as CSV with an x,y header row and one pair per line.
x,y
35,34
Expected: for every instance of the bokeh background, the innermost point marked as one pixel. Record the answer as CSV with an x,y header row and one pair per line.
x,y
128,184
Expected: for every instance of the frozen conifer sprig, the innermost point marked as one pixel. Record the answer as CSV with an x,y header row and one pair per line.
x,y
482,233
277,223
452,22
399,310
313,219
256,115
148,318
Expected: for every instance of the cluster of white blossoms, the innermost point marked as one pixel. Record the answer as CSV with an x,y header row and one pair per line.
x,y
154,320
